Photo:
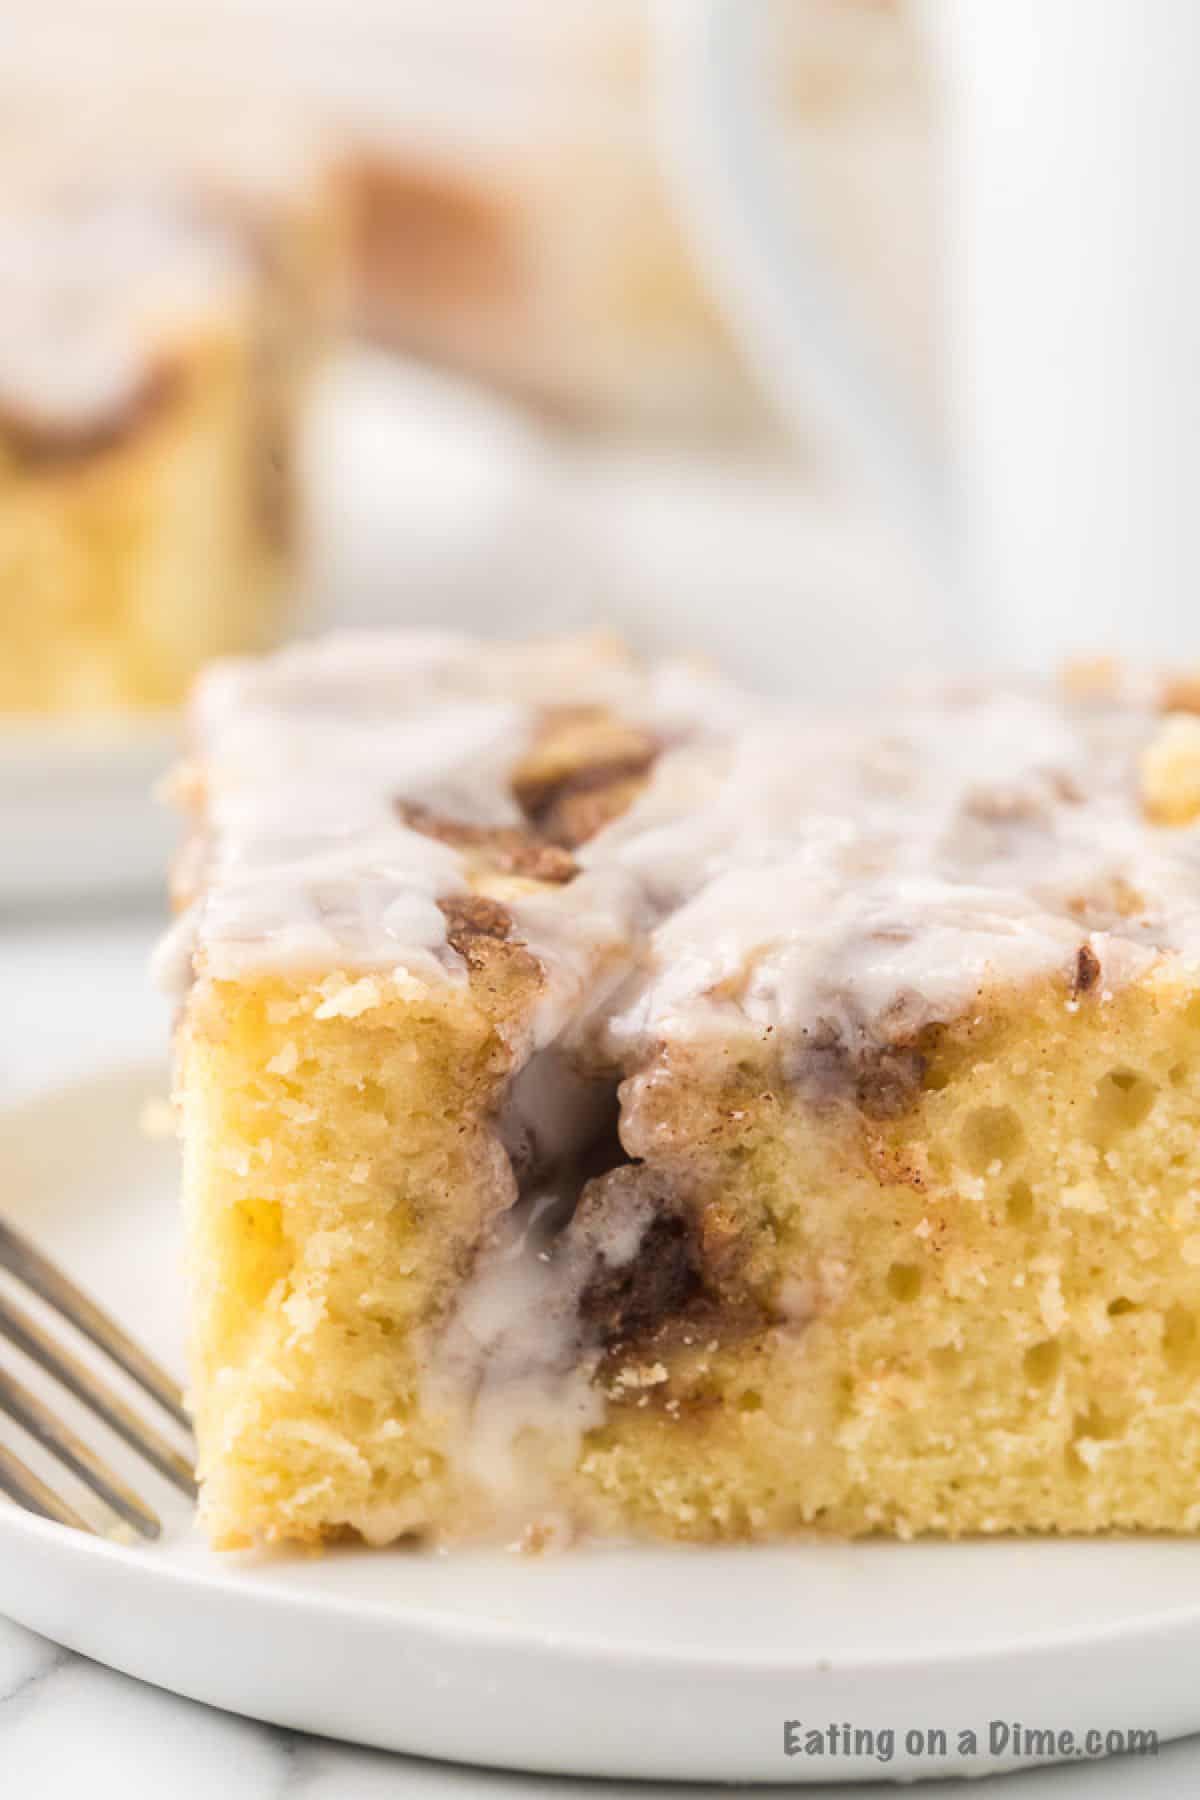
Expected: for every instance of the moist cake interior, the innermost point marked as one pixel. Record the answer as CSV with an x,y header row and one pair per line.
x,y
614,1105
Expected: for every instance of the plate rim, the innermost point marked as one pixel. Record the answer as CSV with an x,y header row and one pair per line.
x,y
512,1636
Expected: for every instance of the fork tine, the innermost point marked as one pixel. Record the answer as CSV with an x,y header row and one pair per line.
x,y
23,1486
21,1259
74,1375
29,1412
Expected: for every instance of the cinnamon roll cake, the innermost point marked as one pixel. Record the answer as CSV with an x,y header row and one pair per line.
x,y
155,340
612,1105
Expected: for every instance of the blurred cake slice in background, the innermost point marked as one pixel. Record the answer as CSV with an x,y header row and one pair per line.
x,y
512,212
563,280
155,336
509,211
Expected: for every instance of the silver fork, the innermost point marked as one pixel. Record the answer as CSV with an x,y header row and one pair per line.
x,y
21,1260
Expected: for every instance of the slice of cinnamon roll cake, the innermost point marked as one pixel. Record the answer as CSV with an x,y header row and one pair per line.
x,y
613,1106
156,338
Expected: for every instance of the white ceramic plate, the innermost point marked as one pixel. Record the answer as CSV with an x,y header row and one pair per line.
x,y
624,1662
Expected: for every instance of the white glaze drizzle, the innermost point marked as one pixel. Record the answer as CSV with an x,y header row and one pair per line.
x,y
305,755
514,1367
836,873
873,871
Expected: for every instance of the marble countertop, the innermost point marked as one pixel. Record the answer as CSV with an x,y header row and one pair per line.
x,y
76,997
